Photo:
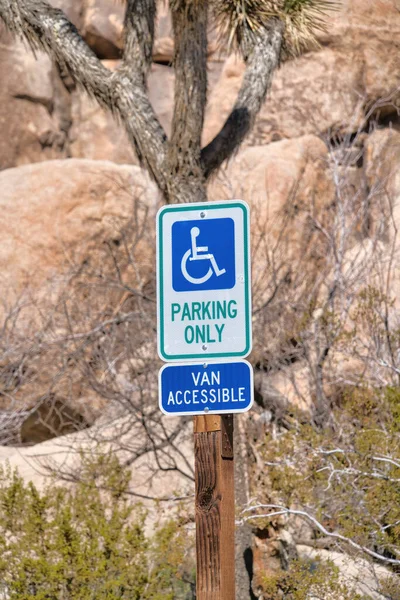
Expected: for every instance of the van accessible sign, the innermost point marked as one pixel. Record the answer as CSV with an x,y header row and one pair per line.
x,y
203,281
202,388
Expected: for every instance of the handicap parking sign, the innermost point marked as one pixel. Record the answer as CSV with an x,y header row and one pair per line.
x,y
199,388
203,255
203,281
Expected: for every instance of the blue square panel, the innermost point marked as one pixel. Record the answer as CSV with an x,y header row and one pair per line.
x,y
203,255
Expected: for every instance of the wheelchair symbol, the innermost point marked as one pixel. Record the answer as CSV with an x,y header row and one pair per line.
x,y
194,254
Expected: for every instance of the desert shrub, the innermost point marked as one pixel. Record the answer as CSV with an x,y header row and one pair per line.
x,y
305,580
346,478
86,541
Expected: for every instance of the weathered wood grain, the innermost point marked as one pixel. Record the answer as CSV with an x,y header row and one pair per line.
x,y
215,510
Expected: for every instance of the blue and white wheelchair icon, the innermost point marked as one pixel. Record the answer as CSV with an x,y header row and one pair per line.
x,y
197,253
203,255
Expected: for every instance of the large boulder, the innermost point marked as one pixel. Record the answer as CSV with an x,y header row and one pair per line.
x,y
292,108
356,573
283,180
59,211
163,51
356,22
103,30
77,245
33,117
382,157
103,27
95,134
289,188
160,84
126,437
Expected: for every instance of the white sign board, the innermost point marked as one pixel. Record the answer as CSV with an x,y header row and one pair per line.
x,y
203,281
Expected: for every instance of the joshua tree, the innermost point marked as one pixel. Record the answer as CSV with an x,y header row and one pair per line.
x,y
261,31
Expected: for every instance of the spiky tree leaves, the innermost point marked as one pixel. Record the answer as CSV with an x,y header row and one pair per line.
x,y
259,29
243,21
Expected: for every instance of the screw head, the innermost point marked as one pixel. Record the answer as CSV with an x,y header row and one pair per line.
x,y
202,214
204,347
206,410
205,366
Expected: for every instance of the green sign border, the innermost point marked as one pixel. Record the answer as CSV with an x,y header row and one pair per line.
x,y
160,296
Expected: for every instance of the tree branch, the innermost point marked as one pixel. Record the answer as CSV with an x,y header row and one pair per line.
x,y
123,92
189,21
47,28
261,64
139,34
132,104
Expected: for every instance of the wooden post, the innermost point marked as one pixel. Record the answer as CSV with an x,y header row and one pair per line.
x,y
215,507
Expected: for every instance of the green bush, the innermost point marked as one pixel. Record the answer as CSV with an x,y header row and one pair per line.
x,y
305,580
85,542
347,477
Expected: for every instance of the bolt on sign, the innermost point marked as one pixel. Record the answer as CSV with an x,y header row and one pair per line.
x,y
203,281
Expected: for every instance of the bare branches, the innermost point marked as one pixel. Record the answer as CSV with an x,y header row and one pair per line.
x,y
278,510
261,64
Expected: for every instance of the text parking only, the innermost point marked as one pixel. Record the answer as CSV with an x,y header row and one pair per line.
x,y
203,281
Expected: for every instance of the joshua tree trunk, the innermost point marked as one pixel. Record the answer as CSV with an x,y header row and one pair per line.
x,y
179,166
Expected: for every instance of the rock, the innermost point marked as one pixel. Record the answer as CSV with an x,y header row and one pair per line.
x,y
293,109
355,68
282,181
381,159
357,574
288,185
97,135
269,397
293,383
123,436
31,128
366,30
69,229
163,51
273,550
382,156
73,9
161,92
103,27
57,212
50,419
266,176
354,20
